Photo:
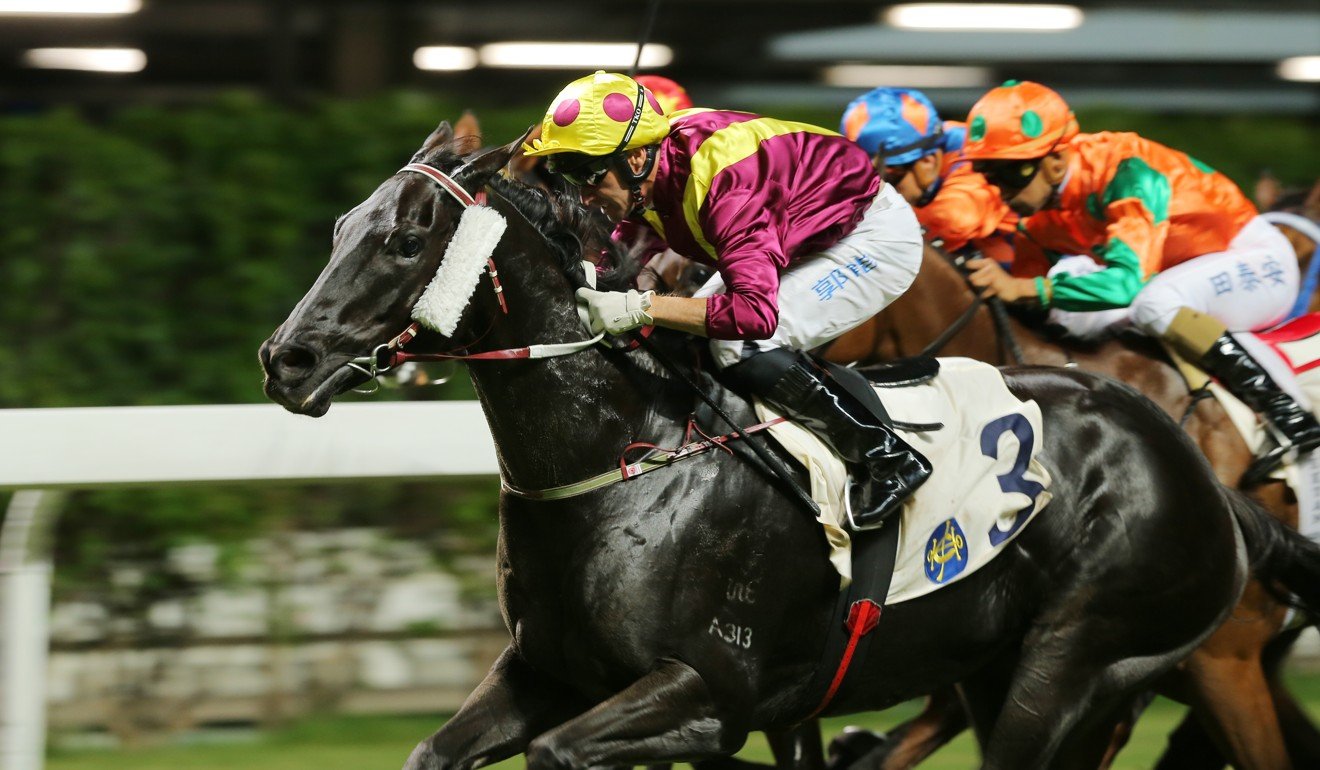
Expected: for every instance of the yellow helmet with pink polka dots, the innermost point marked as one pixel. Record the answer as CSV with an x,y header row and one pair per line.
x,y
601,114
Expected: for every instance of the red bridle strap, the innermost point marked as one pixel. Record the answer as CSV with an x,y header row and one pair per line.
x,y
444,180
392,354
456,190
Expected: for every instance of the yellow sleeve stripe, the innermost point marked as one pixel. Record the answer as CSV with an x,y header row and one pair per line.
x,y
727,146
653,219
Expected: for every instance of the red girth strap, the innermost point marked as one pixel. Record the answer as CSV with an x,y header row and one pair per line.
x,y
863,616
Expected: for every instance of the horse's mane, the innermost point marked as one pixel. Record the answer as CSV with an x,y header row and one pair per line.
x,y
572,231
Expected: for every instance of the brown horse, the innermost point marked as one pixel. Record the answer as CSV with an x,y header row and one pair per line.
x,y
1224,680
1305,204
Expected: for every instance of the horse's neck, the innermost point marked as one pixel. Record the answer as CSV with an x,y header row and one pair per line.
x,y
555,420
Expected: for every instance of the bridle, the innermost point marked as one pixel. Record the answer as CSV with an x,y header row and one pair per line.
x,y
388,355
998,313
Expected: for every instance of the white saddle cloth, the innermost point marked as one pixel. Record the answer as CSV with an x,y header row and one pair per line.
x,y
986,486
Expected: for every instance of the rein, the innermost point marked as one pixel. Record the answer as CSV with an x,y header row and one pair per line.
x,y
663,458
998,313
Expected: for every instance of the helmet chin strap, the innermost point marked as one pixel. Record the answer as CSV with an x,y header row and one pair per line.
x,y
633,181
932,189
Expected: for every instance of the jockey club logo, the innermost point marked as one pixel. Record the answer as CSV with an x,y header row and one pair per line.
x,y
946,552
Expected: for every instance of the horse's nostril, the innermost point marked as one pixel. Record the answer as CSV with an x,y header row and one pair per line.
x,y
291,362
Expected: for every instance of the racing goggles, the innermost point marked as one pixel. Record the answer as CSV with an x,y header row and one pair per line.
x,y
579,169
1008,175
895,174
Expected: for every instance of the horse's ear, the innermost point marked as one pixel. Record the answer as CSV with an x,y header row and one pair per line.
x,y
466,126
521,164
1267,192
442,135
1311,206
467,133
493,160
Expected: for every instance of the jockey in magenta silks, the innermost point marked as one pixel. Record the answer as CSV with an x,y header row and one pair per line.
x,y
1172,240
921,156
807,241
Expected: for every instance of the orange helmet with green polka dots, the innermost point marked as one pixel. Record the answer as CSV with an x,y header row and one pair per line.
x,y
1019,120
601,114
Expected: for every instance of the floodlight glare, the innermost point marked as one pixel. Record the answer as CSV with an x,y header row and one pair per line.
x,y
444,58
86,59
873,75
573,55
69,7
984,17
1303,69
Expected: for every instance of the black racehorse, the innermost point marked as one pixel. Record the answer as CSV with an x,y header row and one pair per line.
x,y
666,617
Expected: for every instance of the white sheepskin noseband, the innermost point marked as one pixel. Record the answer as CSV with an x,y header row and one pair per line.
x,y
447,296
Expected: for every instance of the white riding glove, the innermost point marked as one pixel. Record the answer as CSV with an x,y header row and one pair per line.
x,y
615,312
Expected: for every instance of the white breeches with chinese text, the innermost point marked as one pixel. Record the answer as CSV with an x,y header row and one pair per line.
x,y
1249,286
838,289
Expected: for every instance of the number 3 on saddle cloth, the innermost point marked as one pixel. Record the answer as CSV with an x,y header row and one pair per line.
x,y
986,485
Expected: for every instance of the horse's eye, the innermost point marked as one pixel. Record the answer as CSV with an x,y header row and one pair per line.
x,y
410,246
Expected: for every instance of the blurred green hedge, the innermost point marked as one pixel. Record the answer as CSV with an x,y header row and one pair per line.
x,y
144,257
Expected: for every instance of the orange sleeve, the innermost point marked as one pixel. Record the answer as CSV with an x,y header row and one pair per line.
x,y
1029,259
965,209
995,247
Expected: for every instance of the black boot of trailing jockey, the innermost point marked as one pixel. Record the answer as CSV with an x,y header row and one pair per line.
x,y
887,468
1297,428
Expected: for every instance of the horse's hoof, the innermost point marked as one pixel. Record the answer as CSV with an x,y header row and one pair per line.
x,y
545,755
423,758
851,745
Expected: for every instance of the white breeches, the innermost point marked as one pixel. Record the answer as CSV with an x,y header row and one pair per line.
x,y
826,294
1251,285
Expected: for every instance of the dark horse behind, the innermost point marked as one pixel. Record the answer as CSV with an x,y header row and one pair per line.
x,y
627,646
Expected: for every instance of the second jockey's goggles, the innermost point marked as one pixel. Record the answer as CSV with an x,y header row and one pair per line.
x,y
1011,175
580,169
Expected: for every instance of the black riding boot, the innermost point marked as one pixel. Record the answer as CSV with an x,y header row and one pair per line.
x,y
1236,370
888,469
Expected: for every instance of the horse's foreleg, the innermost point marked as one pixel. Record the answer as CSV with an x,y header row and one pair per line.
x,y
1190,748
908,743
798,748
512,705
669,714
1065,698
1235,701
913,741
1299,732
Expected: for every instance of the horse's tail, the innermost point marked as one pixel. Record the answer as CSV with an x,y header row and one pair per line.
x,y
1282,558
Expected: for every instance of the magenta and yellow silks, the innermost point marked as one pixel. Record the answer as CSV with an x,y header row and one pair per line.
x,y
751,195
